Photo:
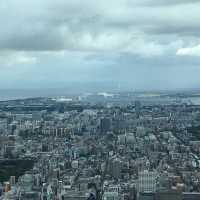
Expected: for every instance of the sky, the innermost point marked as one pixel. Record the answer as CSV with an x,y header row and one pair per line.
x,y
133,44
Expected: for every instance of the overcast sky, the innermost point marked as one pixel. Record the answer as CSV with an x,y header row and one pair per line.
x,y
142,44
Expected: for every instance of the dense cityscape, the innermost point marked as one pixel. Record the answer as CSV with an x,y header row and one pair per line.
x,y
122,146
99,100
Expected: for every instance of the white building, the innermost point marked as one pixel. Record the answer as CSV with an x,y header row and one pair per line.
x,y
147,181
111,196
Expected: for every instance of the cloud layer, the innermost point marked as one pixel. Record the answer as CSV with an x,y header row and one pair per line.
x,y
88,39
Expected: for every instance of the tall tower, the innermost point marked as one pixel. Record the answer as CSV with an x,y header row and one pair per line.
x,y
137,108
105,125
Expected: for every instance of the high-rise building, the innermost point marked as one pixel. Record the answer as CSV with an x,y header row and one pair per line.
x,y
137,108
12,180
147,181
115,168
105,124
166,195
111,196
140,131
146,196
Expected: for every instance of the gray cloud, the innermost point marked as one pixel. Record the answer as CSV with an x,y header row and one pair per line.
x,y
100,40
51,25
169,2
